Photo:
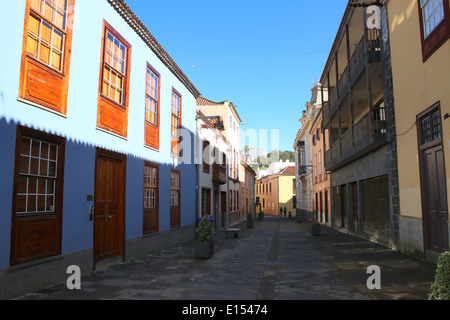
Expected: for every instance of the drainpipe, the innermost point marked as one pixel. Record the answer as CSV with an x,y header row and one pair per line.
x,y
197,172
227,220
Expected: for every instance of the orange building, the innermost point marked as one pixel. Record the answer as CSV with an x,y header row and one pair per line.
x,y
267,191
277,191
321,179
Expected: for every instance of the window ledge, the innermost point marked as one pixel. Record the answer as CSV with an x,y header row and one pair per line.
x,y
37,105
112,133
151,148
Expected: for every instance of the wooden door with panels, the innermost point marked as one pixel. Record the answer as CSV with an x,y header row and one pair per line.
x,y
109,212
433,180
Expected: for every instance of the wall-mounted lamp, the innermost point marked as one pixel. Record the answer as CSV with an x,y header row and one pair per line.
x,y
218,124
446,116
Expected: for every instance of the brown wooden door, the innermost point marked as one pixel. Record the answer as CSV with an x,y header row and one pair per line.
x,y
223,206
355,206
109,206
175,198
434,197
433,184
151,198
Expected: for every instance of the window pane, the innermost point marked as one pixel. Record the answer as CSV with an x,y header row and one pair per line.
x,y
50,204
35,148
45,53
122,58
426,135
152,85
36,5
46,32
25,146
33,25
61,14
32,185
53,152
41,203
49,10
108,56
24,165
43,168
107,74
22,184
52,169
119,81
436,126
41,186
50,186
118,96
31,205
57,40
56,60
150,111
34,166
44,150
21,203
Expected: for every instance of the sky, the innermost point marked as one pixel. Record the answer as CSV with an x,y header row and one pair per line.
x,y
263,56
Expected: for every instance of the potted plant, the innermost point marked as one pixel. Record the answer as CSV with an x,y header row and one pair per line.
x,y
249,221
315,225
204,245
440,289
261,215
315,228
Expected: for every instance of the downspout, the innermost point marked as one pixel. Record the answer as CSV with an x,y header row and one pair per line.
x,y
197,171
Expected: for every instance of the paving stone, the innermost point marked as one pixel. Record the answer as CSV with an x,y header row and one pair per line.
x,y
277,260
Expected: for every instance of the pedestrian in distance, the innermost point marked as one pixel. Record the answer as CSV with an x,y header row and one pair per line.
x,y
285,212
281,212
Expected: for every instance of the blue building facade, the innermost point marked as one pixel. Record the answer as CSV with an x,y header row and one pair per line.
x,y
91,110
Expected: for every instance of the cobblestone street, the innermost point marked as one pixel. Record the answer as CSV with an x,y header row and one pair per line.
x,y
277,260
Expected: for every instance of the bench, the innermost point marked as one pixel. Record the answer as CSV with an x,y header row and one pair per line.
x,y
232,232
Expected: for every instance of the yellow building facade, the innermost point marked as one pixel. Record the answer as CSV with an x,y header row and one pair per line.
x,y
277,191
420,60
286,191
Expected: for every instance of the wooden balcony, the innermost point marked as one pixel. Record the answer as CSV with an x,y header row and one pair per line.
x,y
368,50
369,132
219,174
364,137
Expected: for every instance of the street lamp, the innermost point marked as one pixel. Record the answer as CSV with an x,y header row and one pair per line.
x,y
218,124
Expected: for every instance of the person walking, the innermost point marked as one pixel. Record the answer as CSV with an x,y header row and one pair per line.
x,y
285,212
281,212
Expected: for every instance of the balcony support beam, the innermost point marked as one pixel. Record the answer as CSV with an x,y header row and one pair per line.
x,y
352,117
369,96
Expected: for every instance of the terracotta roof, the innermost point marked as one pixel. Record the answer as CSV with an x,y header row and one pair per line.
x,y
206,102
290,170
133,21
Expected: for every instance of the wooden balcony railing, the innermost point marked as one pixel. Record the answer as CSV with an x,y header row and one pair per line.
x,y
219,174
347,141
357,140
367,49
